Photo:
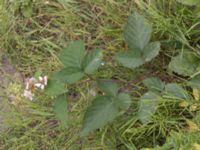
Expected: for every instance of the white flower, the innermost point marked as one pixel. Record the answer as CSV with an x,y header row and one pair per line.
x,y
45,80
29,82
28,94
46,2
102,63
42,82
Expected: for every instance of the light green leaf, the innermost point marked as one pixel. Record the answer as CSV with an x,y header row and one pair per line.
x,y
129,59
194,82
137,32
60,109
186,63
176,91
55,87
110,88
92,61
154,84
151,51
73,54
69,75
147,106
189,2
103,110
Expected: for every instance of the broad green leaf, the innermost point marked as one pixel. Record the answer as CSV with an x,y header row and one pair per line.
x,y
60,109
92,61
137,32
147,106
133,59
110,88
73,54
154,84
176,91
189,2
55,87
69,75
129,59
123,101
151,51
186,63
194,82
103,110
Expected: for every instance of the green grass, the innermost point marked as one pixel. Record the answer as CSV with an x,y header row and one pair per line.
x,y
33,43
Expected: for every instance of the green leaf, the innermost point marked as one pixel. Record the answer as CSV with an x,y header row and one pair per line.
x,y
176,91
154,84
72,55
186,63
123,101
151,51
55,87
194,82
137,32
60,109
137,58
148,105
129,59
68,75
109,88
92,61
189,2
103,110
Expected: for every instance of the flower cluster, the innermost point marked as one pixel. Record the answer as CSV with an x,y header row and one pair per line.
x,y
32,84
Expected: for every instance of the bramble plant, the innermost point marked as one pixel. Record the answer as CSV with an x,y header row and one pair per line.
x,y
77,64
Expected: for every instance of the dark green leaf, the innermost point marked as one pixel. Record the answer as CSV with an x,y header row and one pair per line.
x,y
137,32
154,84
130,59
92,61
123,101
73,54
110,88
55,87
103,110
147,106
176,91
186,64
69,75
194,82
60,109
151,51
